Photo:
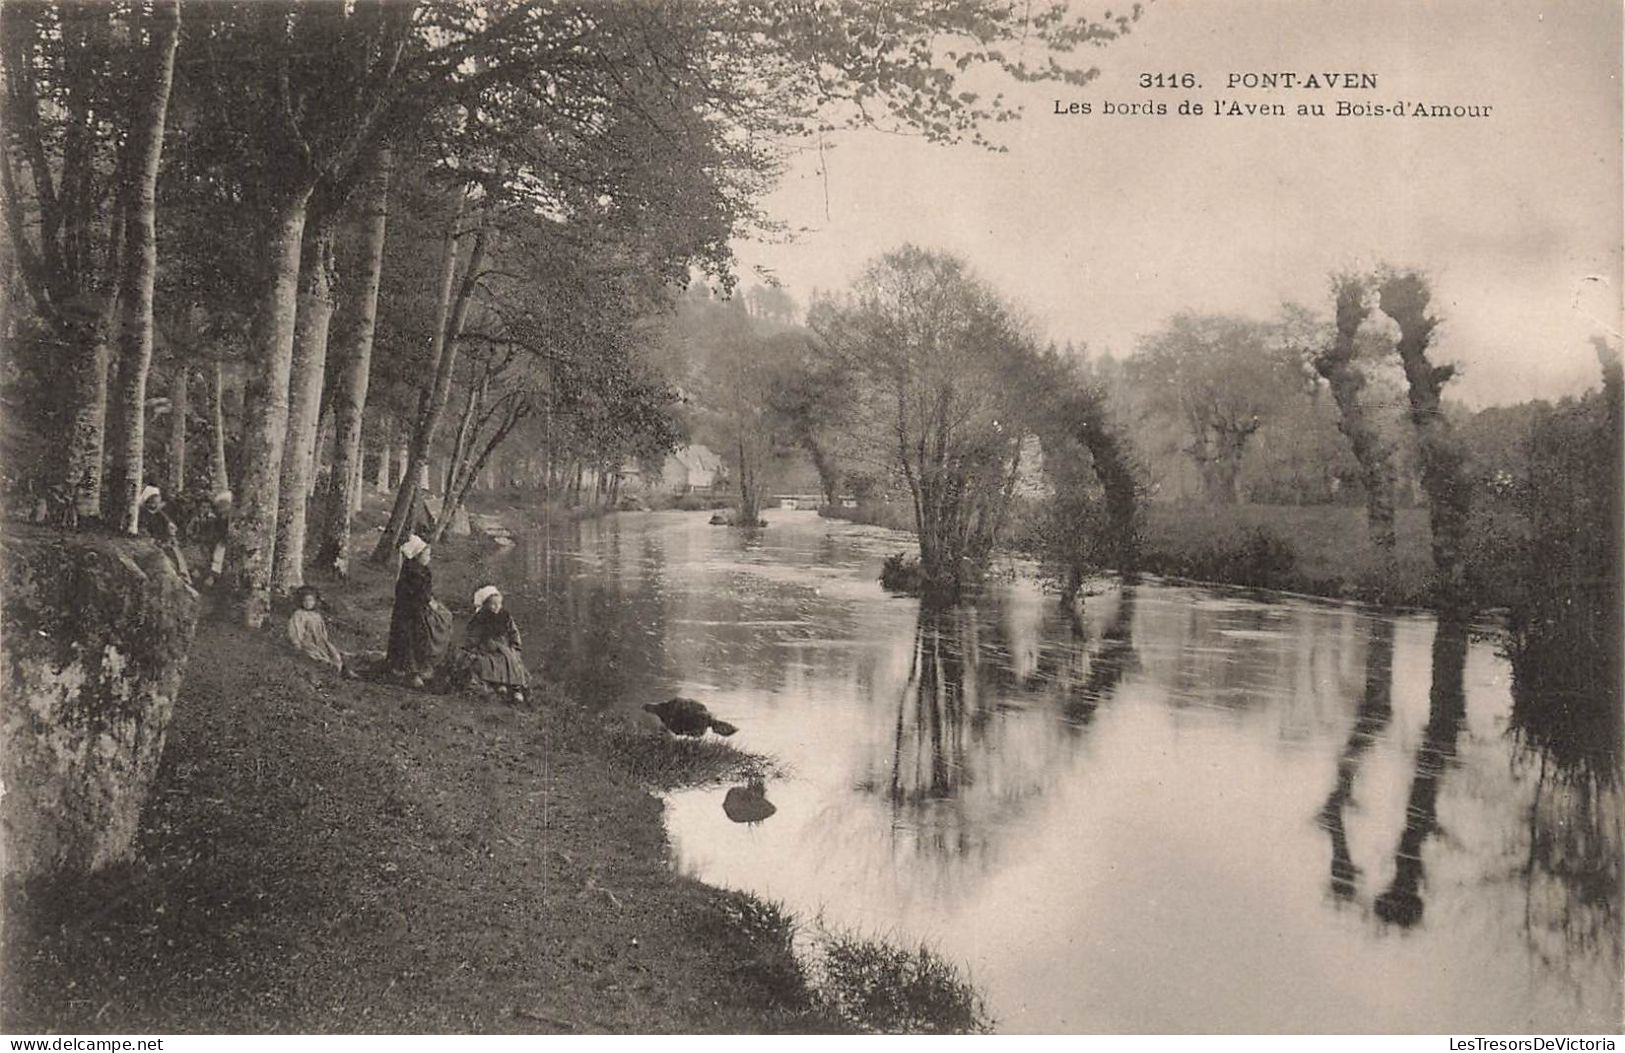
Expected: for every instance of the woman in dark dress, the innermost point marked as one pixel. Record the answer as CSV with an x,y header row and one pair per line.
x,y
419,625
492,646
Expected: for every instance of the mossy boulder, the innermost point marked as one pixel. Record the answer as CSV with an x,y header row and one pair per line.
x,y
94,633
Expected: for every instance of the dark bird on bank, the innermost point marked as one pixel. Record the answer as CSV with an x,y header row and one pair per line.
x,y
684,716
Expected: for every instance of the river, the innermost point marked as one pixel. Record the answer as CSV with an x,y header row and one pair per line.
x,y
1191,810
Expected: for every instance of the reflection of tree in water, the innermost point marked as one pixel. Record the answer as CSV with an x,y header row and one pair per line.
x,y
952,757
1108,663
1571,865
928,756
1372,716
1401,904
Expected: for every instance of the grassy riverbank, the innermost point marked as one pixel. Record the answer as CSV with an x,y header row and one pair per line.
x,y
323,855
1319,550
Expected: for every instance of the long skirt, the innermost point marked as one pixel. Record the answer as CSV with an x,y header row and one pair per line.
x,y
419,639
502,666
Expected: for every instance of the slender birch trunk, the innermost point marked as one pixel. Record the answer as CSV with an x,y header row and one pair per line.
x,y
309,363
358,479
350,398
455,499
414,458
138,196
380,481
179,408
399,463
432,405
219,479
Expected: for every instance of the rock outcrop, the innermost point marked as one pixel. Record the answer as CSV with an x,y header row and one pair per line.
x,y
94,633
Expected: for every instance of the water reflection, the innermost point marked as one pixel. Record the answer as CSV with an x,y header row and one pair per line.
x,y
1107,664
1401,904
955,780
1375,711
1570,870
1090,812
748,803
928,755
601,625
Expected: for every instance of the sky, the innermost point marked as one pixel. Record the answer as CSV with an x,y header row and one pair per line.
x,y
1101,227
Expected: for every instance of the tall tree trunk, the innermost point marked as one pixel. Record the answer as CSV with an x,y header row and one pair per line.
x,y
1227,476
829,472
320,459
137,196
381,478
179,408
265,408
358,478
462,446
412,458
87,418
750,499
1336,364
85,452
350,397
219,479
309,366
432,404
1404,298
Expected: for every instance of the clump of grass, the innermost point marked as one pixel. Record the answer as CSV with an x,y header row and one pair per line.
x,y
882,988
839,982
664,763
761,937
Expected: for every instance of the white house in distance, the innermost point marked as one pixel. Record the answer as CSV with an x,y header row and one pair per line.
x,y
694,469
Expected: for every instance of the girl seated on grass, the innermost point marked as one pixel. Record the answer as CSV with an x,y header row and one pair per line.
x,y
308,632
491,647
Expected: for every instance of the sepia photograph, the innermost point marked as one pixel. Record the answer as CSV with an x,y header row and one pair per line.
x,y
735,517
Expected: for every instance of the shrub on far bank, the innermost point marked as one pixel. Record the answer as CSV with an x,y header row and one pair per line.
x,y
1256,556
661,501
891,514
1565,620
1323,550
901,573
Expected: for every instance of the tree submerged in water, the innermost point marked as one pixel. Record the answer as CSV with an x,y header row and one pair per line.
x,y
953,386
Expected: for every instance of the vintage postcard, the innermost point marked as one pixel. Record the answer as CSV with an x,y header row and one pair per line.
x,y
736,516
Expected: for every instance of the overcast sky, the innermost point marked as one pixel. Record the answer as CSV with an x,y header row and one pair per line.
x,y
1100,227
